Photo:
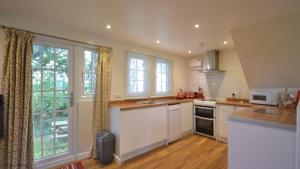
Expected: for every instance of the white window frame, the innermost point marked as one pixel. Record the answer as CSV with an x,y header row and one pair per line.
x,y
168,77
132,55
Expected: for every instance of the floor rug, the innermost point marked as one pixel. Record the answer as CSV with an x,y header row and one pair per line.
x,y
73,165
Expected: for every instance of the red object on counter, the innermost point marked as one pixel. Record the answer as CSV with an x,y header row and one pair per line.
x,y
298,97
180,95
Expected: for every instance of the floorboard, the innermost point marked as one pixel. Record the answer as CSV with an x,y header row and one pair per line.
x,y
192,152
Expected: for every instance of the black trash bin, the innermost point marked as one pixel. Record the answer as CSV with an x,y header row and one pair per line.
x,y
106,146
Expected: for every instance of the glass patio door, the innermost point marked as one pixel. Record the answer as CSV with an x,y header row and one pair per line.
x,y
52,101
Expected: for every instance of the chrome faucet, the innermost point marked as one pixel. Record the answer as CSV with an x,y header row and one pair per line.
x,y
149,100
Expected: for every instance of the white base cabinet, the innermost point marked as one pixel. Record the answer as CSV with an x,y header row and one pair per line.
x,y
223,112
138,130
254,146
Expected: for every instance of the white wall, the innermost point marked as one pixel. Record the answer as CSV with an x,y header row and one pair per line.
x,y
84,105
221,85
269,52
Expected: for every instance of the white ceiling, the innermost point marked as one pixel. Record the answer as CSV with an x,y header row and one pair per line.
x,y
145,21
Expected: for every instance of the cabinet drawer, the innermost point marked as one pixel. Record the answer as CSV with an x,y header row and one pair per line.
x,y
226,108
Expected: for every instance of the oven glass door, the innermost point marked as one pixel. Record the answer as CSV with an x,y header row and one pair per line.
x,y
206,112
204,126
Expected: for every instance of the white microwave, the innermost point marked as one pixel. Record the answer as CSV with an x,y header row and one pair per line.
x,y
264,97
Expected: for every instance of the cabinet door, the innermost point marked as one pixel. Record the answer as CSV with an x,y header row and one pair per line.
x,y
132,130
155,124
186,117
240,108
223,112
223,132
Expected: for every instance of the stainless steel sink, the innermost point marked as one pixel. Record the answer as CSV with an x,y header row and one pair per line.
x,y
150,102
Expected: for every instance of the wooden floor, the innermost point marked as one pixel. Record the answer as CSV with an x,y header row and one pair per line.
x,y
192,152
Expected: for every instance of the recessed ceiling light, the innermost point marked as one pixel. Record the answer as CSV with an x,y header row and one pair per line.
x,y
196,25
225,42
157,41
189,51
108,26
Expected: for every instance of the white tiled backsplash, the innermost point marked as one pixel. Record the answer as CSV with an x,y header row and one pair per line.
x,y
222,85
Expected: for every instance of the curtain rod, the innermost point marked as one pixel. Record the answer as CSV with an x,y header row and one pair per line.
x,y
7,27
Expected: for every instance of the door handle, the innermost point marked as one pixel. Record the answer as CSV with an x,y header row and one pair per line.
x,y
71,99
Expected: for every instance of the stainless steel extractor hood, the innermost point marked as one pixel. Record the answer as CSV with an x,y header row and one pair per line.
x,y
211,62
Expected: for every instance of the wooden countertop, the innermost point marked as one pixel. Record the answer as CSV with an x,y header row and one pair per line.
x,y
234,103
274,116
127,105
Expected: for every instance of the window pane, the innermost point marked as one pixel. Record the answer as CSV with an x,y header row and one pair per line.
x,y
158,77
140,64
36,102
158,67
48,101
162,77
90,64
48,58
87,60
37,147
36,57
48,124
88,82
133,63
48,145
61,58
61,100
36,125
163,68
48,79
36,80
133,75
140,75
164,87
62,144
140,86
61,80
158,86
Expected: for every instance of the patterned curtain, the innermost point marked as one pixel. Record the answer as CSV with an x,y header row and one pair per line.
x,y
16,148
102,95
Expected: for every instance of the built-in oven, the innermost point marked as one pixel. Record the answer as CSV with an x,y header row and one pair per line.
x,y
204,121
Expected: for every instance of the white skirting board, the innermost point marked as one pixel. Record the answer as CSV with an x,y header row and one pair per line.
x,y
84,155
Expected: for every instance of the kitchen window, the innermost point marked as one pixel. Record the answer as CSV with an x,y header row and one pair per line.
x,y
89,71
137,75
148,76
163,82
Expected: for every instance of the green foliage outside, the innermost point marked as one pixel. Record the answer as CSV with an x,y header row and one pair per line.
x,y
50,100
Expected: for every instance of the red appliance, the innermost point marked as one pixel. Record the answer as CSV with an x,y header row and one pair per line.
x,y
180,94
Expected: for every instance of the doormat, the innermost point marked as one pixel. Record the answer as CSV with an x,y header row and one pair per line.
x,y
73,165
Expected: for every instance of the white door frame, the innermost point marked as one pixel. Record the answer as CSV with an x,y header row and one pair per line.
x,y
71,155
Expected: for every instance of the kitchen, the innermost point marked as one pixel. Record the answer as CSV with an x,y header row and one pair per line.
x,y
195,84
218,118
